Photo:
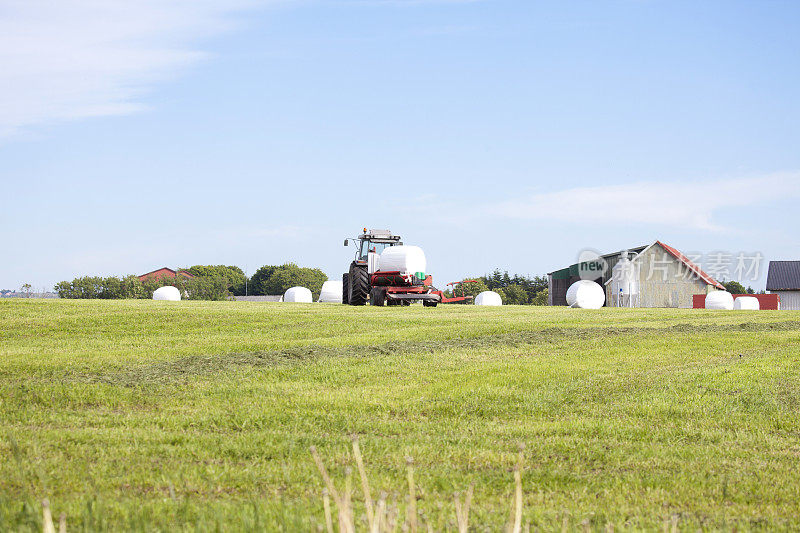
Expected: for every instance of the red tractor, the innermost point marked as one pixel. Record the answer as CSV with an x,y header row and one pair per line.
x,y
365,282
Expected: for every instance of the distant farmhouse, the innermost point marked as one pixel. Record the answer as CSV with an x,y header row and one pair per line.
x,y
164,273
666,277
783,278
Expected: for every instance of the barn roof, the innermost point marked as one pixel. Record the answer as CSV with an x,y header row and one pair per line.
x,y
573,270
783,276
674,252
566,273
171,271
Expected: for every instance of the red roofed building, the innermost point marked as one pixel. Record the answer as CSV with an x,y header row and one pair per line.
x,y
164,273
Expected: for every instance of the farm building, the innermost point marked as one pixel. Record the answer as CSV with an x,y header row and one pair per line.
x,y
559,281
663,275
164,273
783,278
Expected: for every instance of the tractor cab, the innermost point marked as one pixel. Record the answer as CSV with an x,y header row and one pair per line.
x,y
370,245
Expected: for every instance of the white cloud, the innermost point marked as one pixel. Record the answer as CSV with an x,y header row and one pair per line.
x,y
676,204
71,59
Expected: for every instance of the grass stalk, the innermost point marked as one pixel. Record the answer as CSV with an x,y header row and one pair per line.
x,y
326,502
324,473
47,517
378,518
517,501
346,518
412,496
362,472
462,511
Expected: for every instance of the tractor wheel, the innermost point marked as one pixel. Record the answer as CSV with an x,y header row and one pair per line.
x,y
358,285
377,296
345,289
426,303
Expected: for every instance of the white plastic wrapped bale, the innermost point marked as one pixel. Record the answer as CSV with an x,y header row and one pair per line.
x,y
405,259
488,298
719,300
168,293
746,303
331,292
298,295
586,294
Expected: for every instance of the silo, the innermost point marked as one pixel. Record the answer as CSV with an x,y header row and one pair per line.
x,y
625,283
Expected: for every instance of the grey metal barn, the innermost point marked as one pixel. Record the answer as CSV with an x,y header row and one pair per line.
x,y
559,281
783,278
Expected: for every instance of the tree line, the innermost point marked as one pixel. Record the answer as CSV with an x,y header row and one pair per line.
x,y
221,282
209,282
513,290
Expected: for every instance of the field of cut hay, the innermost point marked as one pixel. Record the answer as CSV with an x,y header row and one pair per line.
x,y
200,416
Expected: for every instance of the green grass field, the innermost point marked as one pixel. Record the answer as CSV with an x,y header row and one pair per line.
x,y
164,416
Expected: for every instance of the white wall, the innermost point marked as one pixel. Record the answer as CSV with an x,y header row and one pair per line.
x,y
790,300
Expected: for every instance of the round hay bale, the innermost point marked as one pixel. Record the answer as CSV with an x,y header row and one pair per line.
x,y
405,259
721,300
488,298
746,303
585,294
167,293
299,295
331,292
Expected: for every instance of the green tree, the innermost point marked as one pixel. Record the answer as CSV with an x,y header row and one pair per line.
x,y
734,287
259,280
540,298
200,288
515,295
130,287
514,286
234,275
64,289
271,279
472,289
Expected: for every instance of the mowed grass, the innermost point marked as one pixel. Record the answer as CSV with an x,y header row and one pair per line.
x,y
164,416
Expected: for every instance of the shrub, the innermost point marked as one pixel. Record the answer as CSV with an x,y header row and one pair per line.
x,y
201,288
734,287
81,288
515,295
271,279
540,298
514,290
236,280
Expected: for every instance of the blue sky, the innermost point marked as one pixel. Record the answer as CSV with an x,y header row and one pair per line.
x,y
492,133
